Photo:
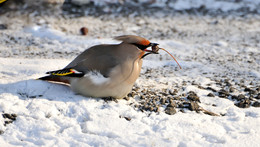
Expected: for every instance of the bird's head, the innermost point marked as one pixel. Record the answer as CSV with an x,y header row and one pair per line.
x,y
140,42
143,45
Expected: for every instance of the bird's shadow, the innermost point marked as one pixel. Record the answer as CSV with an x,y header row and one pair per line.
x,y
37,89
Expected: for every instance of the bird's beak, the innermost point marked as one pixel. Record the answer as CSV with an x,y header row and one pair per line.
x,y
155,48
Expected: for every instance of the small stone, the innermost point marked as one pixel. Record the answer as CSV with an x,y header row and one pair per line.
x,y
172,105
240,97
162,101
164,94
181,105
256,104
200,87
151,108
234,97
232,89
173,92
7,122
244,103
157,109
258,96
193,96
193,106
9,116
250,91
3,26
84,31
211,95
223,93
1,132
127,118
212,89
170,110
127,98
247,89
131,94
142,97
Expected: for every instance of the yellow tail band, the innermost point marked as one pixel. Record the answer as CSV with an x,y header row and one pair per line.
x,y
1,1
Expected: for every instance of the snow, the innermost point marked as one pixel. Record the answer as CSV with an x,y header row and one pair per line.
x,y
52,115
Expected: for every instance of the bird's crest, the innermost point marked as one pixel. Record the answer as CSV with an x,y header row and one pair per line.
x,y
133,39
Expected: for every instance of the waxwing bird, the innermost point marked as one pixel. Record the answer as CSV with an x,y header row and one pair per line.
x,y
106,70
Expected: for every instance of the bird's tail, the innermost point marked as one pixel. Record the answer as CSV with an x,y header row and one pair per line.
x,y
55,79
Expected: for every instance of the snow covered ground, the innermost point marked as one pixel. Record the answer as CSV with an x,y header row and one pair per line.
x,y
49,114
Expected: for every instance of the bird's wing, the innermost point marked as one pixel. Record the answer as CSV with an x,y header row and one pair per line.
x,y
101,63
100,58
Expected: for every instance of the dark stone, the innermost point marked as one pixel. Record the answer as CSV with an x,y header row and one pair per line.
x,y
247,89
211,95
232,89
173,92
193,96
131,94
172,105
214,105
244,103
258,96
256,104
7,122
223,93
181,105
193,106
1,132
107,99
127,98
3,26
212,89
151,108
240,97
228,84
162,101
84,31
170,110
9,116
127,118
234,97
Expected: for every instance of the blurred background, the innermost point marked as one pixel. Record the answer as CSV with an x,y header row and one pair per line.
x,y
162,19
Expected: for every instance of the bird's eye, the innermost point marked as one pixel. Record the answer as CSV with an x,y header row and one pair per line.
x,y
141,47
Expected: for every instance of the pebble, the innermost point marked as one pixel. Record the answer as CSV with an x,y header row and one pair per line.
x,y
1,132
170,110
3,26
211,95
256,104
212,89
240,97
258,96
232,89
223,93
244,103
9,116
193,106
84,31
193,96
